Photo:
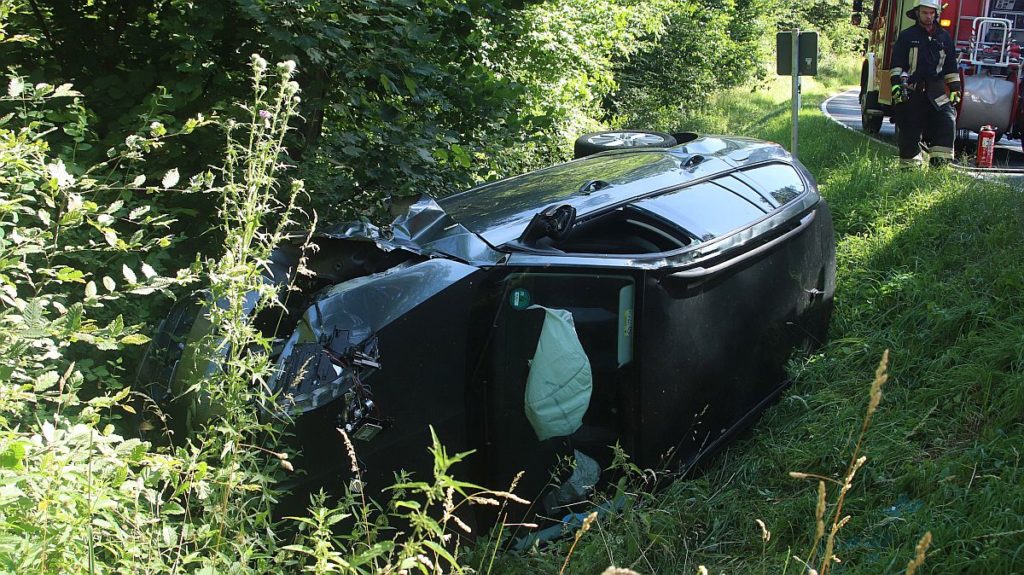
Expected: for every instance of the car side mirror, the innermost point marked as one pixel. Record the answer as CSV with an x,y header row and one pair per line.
x,y
552,222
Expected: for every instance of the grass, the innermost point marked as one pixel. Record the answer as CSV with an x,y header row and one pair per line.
x,y
931,267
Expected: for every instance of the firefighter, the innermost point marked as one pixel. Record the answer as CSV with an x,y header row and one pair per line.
x,y
923,70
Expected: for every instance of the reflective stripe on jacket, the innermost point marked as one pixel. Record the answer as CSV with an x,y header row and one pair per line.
x,y
924,57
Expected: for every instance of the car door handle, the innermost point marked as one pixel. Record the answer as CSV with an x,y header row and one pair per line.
x,y
702,272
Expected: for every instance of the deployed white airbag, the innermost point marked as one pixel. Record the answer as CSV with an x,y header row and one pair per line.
x,y
559,386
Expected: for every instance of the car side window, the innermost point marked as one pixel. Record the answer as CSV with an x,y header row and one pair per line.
x,y
706,210
622,231
780,181
602,312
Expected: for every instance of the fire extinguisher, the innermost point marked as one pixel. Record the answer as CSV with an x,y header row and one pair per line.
x,y
986,144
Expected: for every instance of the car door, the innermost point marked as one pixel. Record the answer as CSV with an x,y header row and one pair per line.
x,y
602,305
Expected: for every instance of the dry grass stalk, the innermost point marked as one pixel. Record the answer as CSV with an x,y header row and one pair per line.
x,y
819,522
819,515
766,535
856,462
618,571
919,553
510,496
449,511
351,451
881,376
357,482
590,519
515,481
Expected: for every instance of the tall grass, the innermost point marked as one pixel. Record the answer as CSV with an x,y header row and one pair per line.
x,y
929,267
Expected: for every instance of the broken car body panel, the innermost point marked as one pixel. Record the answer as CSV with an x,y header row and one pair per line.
x,y
312,364
425,230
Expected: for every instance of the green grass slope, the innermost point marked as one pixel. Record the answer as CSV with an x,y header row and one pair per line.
x,y
931,267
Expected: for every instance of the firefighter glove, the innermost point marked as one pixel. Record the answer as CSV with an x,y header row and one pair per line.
x,y
956,93
899,93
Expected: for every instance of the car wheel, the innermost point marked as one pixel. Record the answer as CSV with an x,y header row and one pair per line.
x,y
870,123
595,142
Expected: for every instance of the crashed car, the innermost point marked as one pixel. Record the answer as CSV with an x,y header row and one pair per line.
x,y
647,296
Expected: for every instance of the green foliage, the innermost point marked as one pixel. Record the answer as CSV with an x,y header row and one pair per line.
x,y
708,46
711,46
55,225
78,496
429,511
837,37
403,96
75,494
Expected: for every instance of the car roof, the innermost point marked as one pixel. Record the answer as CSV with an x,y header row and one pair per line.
x,y
500,211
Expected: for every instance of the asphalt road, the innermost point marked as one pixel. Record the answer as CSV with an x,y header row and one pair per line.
x,y
844,108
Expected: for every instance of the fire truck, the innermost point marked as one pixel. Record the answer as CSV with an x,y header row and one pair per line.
x,y
987,35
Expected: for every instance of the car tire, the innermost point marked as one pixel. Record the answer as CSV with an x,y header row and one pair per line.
x,y
595,142
871,124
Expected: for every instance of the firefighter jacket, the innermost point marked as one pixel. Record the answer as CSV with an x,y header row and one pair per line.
x,y
929,60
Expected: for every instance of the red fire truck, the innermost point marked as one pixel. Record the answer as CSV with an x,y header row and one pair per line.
x,y
987,34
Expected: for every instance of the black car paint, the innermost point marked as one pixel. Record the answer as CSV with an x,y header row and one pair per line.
x,y
712,322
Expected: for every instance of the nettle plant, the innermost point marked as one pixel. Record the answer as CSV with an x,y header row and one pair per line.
x,y
77,494
74,494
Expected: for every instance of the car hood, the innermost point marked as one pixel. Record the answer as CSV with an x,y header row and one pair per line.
x,y
471,226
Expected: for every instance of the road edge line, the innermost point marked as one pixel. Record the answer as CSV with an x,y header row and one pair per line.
x,y
824,110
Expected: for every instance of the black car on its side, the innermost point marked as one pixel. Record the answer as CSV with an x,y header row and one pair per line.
x,y
645,296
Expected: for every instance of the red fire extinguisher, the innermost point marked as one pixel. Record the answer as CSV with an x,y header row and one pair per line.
x,y
986,143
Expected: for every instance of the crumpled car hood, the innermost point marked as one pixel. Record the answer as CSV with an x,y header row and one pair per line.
x,y
426,229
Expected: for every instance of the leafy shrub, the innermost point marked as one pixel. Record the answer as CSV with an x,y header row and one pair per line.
x,y
707,46
74,493
400,96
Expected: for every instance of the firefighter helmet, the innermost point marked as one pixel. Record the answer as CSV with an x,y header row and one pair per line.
x,y
936,4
